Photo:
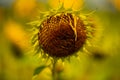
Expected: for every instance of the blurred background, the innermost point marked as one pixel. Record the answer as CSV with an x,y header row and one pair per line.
x,y
17,63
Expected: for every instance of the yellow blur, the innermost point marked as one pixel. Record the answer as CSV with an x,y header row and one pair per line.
x,y
16,34
68,4
24,7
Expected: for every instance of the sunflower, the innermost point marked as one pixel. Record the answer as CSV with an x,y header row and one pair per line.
x,y
60,33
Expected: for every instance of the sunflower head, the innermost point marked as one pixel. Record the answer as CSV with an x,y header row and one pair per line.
x,y
61,32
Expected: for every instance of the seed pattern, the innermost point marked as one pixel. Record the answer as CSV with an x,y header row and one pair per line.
x,y
62,35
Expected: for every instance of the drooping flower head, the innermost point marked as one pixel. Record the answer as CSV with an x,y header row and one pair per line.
x,y
61,33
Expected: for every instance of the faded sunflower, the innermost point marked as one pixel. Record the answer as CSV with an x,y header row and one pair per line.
x,y
61,33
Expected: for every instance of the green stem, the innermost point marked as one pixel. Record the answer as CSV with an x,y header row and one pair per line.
x,y
54,73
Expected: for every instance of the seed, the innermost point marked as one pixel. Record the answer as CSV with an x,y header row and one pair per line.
x,y
62,35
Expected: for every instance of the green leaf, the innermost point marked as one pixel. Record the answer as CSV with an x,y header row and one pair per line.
x,y
39,69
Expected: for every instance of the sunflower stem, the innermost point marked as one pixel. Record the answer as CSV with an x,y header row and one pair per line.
x,y
54,73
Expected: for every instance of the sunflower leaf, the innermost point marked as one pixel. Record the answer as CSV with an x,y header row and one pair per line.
x,y
38,70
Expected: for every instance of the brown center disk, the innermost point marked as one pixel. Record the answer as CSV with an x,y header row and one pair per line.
x,y
57,37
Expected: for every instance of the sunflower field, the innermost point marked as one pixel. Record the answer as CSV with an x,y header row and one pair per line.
x,y
59,39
